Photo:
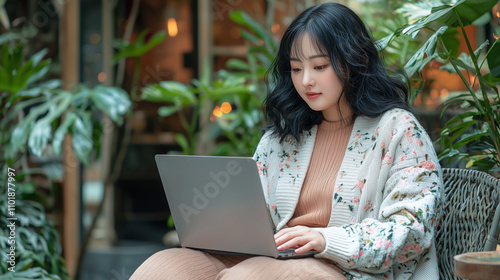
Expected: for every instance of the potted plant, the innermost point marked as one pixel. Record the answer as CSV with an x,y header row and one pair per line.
x,y
37,114
473,133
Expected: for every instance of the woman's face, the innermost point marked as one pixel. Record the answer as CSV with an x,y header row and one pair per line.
x,y
315,80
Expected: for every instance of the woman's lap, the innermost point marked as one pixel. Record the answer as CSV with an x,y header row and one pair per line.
x,y
181,263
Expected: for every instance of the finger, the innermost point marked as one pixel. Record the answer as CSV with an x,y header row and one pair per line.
x,y
287,236
294,242
282,232
306,248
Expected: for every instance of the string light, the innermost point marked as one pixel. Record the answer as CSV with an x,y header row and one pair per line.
x,y
101,77
172,27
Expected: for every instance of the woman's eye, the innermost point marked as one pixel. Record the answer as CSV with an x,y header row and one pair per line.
x,y
295,69
320,67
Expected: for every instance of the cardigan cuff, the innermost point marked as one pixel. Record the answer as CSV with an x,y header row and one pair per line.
x,y
339,247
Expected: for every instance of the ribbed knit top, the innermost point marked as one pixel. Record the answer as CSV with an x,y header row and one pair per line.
x,y
315,202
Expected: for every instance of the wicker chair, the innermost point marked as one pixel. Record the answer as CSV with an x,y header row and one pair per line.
x,y
470,220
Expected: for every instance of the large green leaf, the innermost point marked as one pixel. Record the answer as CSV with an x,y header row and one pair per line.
x,y
13,75
244,19
113,101
42,131
139,46
170,92
470,137
183,142
61,131
39,137
494,59
166,111
237,64
81,139
425,54
466,10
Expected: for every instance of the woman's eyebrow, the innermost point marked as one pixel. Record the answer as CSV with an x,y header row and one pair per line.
x,y
311,57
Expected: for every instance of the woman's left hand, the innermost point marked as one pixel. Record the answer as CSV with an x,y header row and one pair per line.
x,y
300,237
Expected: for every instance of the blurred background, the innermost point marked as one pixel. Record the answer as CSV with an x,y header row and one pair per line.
x,y
92,89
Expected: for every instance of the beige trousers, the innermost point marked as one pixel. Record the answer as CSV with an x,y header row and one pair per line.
x,y
181,263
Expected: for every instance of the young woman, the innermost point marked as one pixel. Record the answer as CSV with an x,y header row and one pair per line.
x,y
346,169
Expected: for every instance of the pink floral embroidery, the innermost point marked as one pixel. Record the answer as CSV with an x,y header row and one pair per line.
x,y
403,157
369,206
360,184
387,159
419,142
378,243
371,230
387,260
387,243
408,136
355,200
428,164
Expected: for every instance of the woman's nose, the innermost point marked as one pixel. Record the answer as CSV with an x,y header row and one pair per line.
x,y
307,79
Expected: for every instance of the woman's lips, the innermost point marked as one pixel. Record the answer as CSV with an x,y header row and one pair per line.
x,y
312,95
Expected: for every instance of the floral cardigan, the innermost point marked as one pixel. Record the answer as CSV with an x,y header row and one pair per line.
x,y
385,197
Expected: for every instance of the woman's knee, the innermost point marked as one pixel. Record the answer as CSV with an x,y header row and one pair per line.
x,y
168,263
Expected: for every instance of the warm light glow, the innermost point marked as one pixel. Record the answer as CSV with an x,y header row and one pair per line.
x,y
225,107
217,112
275,28
101,77
498,14
444,93
495,36
172,27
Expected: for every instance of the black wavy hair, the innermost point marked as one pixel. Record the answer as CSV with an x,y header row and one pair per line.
x,y
368,87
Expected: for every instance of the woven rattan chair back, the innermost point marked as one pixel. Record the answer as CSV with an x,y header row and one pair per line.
x,y
469,221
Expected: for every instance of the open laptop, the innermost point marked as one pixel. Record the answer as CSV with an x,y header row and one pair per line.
x,y
218,205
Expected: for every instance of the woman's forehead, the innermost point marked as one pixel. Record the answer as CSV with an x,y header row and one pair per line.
x,y
304,46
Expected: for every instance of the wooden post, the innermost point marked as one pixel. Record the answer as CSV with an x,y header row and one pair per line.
x,y
70,47
109,133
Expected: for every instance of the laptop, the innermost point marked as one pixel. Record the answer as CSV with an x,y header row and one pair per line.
x,y
218,205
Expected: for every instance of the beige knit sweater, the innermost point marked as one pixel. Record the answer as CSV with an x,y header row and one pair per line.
x,y
315,201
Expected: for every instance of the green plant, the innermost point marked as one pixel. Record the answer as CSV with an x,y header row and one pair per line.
x,y
236,132
473,134
36,117
382,21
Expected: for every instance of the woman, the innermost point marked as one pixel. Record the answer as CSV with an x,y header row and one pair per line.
x,y
346,169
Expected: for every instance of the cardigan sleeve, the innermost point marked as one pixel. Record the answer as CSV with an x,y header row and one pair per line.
x,y
401,233
261,157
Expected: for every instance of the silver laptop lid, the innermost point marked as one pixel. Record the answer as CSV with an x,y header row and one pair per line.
x,y
217,203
